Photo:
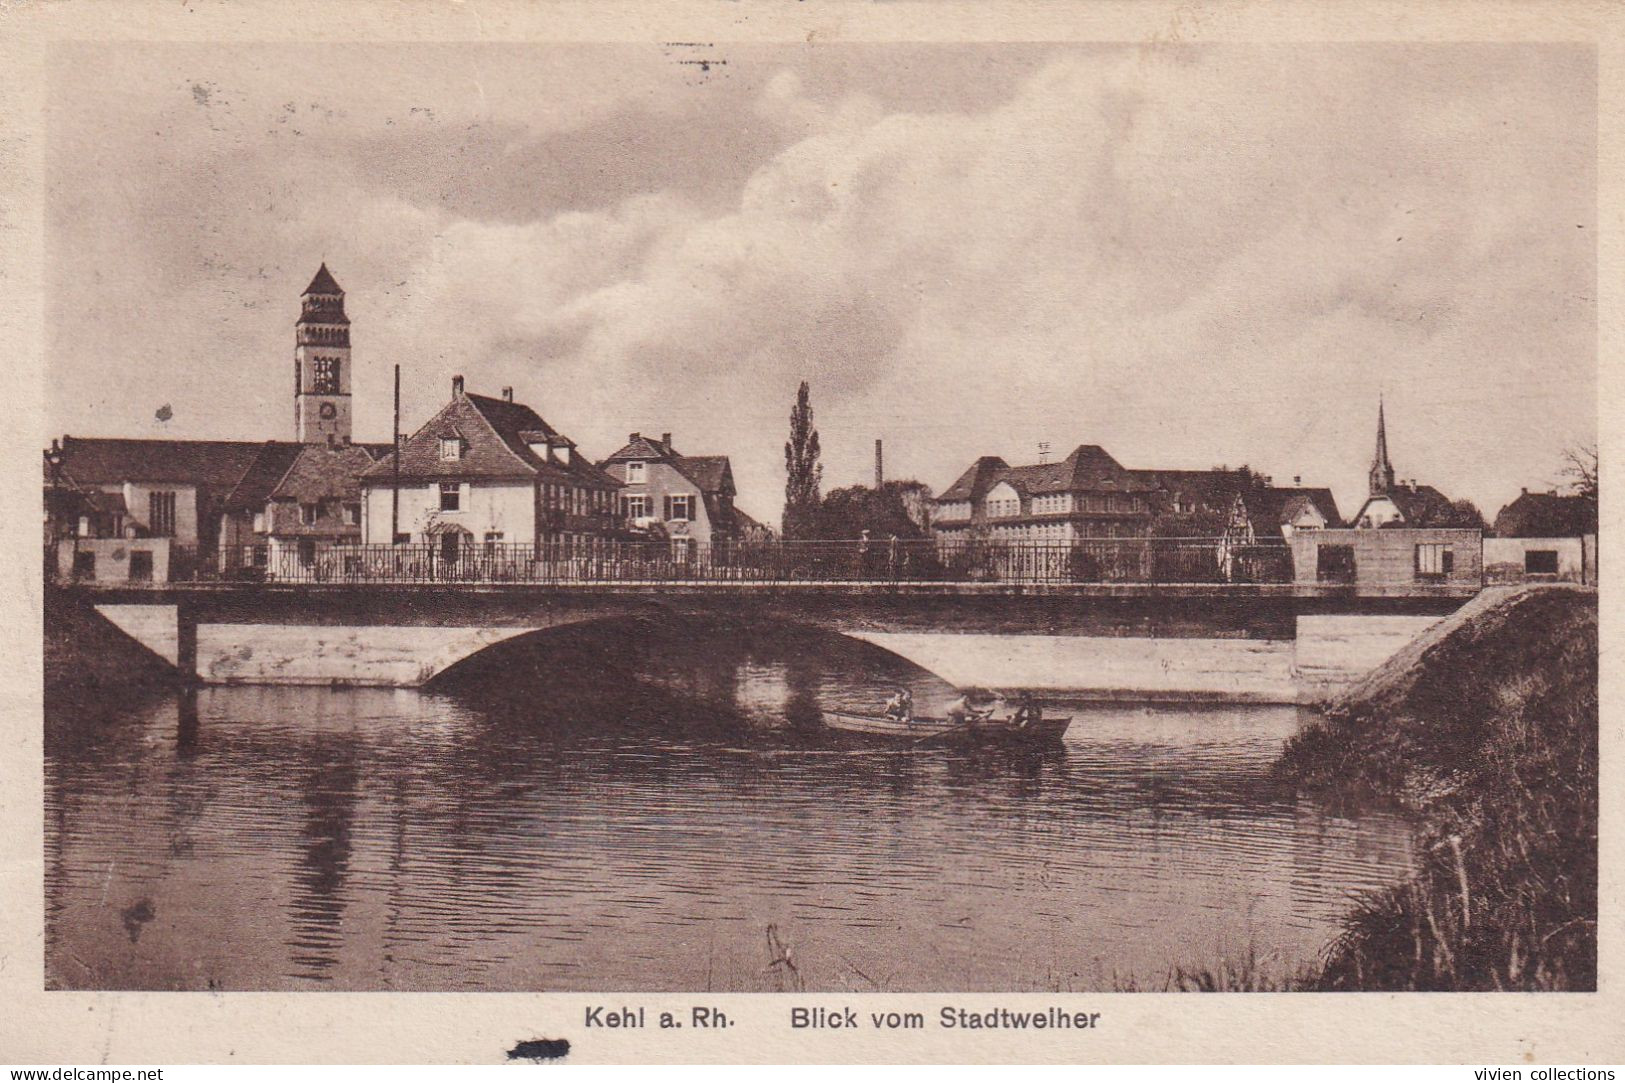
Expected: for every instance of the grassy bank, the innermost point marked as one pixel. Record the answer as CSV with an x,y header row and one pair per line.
x,y
1487,728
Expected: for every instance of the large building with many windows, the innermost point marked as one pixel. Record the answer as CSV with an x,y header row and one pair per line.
x,y
1090,495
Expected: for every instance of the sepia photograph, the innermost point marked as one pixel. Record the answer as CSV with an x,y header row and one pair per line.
x,y
848,517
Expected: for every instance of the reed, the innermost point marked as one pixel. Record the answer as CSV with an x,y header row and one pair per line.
x,y
1489,735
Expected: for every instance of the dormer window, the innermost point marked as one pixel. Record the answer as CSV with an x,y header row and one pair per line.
x,y
451,448
635,474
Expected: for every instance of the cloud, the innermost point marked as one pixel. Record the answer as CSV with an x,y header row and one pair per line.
x,y
1187,255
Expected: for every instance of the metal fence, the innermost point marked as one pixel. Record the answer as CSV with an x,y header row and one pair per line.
x,y
1105,560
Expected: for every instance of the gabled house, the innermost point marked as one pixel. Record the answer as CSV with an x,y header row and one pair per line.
x,y
689,496
294,502
1268,513
488,472
1547,515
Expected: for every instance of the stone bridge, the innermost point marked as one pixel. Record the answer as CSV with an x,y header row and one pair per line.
x,y
1226,642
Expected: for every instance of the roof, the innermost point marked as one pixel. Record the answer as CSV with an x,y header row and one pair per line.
x,y
639,446
1547,515
1425,506
974,483
744,523
1270,508
712,473
322,283
709,473
254,488
215,465
496,437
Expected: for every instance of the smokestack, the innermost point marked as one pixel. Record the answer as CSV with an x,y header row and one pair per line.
x,y
456,386
507,394
880,465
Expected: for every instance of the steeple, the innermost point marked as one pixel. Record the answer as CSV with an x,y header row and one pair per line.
x,y
1382,471
321,364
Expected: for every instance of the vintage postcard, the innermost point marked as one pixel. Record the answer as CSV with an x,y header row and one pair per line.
x,y
848,533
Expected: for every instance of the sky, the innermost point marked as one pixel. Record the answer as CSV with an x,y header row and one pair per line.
x,y
1189,255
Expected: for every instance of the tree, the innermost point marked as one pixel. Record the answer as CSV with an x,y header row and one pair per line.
x,y
1468,512
803,472
895,509
1581,470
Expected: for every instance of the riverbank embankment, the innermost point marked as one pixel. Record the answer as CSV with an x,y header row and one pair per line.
x,y
84,651
1486,728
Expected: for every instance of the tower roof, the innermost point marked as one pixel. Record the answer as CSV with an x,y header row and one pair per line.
x,y
323,283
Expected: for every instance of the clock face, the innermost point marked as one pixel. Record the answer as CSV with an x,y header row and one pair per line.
x,y
329,411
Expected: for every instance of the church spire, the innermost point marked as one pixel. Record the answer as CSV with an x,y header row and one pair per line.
x,y
1382,471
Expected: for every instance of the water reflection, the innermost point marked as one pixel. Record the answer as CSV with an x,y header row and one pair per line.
x,y
619,811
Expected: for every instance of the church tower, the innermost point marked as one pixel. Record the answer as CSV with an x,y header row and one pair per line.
x,y
321,365
1382,471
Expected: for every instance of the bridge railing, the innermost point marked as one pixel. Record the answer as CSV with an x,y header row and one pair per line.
x,y
1095,560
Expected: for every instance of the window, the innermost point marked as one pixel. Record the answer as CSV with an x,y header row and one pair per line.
x,y
1540,562
259,522
634,507
680,507
635,473
325,380
307,551
352,514
451,448
1334,563
84,565
141,565
308,513
161,514
403,539
493,538
1434,560
451,496
1003,509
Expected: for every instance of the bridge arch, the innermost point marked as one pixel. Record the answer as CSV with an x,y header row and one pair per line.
x,y
463,656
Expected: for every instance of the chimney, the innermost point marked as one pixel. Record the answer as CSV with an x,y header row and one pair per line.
x,y
1526,490
1297,481
665,438
456,386
633,437
507,394
880,466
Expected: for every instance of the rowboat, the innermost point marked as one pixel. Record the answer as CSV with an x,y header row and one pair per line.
x,y
942,730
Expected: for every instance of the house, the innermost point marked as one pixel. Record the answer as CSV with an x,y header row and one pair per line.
x,y
1547,515
489,472
1270,513
1393,503
1543,536
112,489
294,502
690,496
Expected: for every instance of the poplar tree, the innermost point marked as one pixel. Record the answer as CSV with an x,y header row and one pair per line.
x,y
803,471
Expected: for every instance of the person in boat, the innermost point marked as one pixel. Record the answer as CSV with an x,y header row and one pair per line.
x,y
1028,712
970,709
900,706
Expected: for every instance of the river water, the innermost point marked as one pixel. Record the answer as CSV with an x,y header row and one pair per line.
x,y
615,811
